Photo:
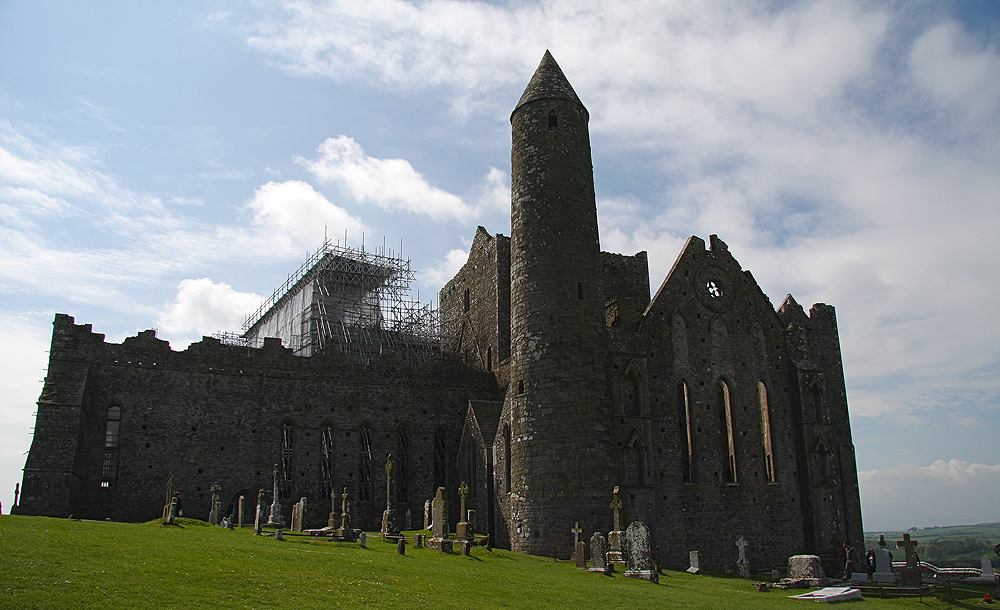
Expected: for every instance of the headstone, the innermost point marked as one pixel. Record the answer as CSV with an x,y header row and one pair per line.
x,y
859,576
694,562
401,546
742,564
331,519
17,492
345,519
462,527
213,514
258,521
466,547
166,505
598,555
909,576
639,564
363,540
390,517
418,541
172,511
987,566
439,526
427,514
298,511
805,567
615,554
279,535
470,520
579,550
240,518
276,519
408,520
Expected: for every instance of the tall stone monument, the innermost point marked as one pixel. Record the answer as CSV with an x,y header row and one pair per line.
x,y
439,528
391,516
276,519
742,563
579,548
213,514
615,554
462,527
909,576
599,555
640,564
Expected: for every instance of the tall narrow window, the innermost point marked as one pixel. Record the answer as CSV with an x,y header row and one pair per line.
x,y
506,457
579,290
821,464
489,359
472,469
109,469
466,303
816,404
553,121
403,466
684,432
635,462
765,431
633,393
326,464
439,459
287,433
726,426
365,467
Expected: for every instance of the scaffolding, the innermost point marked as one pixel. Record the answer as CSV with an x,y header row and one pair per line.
x,y
349,299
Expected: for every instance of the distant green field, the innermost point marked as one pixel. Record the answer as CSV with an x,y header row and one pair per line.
x,y
59,563
951,546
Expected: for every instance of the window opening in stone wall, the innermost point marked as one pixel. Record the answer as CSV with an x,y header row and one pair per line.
x,y
109,468
287,433
326,464
471,469
403,466
685,432
765,429
466,302
520,386
439,459
816,404
633,393
506,457
726,425
821,464
489,359
553,121
579,290
635,463
365,467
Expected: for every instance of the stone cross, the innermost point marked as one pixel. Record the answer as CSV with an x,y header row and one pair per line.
x,y
170,496
907,545
616,506
331,520
579,550
463,491
275,518
577,530
17,492
258,522
390,482
343,510
742,545
213,515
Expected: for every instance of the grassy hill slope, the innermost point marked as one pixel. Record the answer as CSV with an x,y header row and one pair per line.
x,y
60,563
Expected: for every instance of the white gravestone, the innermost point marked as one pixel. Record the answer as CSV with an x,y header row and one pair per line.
x,y
694,561
883,566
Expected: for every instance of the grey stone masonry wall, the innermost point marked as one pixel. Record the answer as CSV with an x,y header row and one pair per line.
x,y
475,304
557,404
218,412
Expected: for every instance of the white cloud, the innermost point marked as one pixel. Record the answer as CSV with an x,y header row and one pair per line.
x,y
391,184
203,307
944,493
295,209
445,269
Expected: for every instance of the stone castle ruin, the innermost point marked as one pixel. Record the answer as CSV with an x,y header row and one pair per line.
x,y
549,378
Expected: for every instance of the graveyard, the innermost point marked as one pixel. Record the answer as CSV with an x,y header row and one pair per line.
x,y
67,563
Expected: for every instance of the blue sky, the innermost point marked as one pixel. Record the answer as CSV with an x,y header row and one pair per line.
x,y
165,165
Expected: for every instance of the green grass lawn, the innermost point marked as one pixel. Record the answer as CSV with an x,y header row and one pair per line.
x,y
59,563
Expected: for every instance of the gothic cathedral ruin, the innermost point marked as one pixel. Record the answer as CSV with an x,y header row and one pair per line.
x,y
550,378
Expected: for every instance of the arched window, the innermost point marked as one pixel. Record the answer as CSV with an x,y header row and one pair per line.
x,y
726,429
635,462
439,459
821,464
765,431
506,457
109,469
326,465
402,466
472,469
287,437
466,302
685,432
365,466
553,121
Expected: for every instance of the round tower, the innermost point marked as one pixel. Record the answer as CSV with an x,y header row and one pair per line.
x,y
561,469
